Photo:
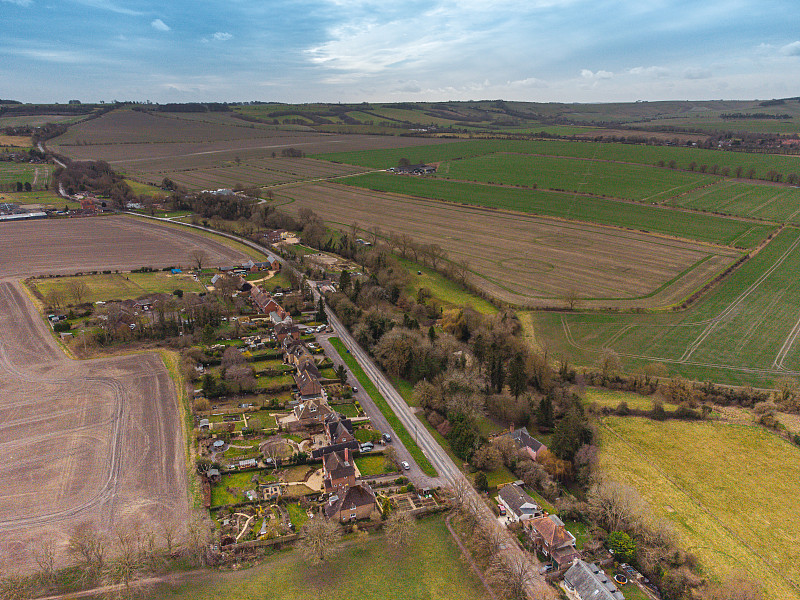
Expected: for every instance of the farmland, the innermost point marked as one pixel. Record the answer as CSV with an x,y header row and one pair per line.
x,y
95,441
743,519
762,201
743,332
38,175
116,243
429,569
209,151
550,257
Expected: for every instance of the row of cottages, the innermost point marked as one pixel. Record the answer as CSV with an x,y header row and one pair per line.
x,y
587,581
272,263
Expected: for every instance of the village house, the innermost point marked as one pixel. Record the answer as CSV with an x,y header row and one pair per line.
x,y
296,353
312,413
282,330
307,380
526,443
519,505
338,471
549,536
358,502
338,429
587,581
275,236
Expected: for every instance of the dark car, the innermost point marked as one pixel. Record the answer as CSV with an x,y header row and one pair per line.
x,y
387,439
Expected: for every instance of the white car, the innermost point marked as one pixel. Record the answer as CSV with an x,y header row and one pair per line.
x,y
405,465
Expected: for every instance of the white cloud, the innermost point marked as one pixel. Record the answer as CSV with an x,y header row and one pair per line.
x,y
159,25
587,74
25,3
221,36
529,82
792,49
696,73
109,6
649,71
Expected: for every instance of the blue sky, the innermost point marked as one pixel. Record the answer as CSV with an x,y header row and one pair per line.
x,y
369,50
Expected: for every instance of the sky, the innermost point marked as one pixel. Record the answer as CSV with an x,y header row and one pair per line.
x,y
414,50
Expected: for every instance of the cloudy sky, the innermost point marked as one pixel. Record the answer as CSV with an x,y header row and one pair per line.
x,y
378,50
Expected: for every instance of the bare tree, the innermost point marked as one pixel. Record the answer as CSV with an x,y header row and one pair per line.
x,y
734,588
571,298
54,298
78,290
320,539
513,575
197,538
609,362
45,557
401,528
88,546
168,530
488,458
390,458
16,587
614,506
198,257
375,234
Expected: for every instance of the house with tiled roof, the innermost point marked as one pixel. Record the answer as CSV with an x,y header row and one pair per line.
x,y
587,581
549,535
338,471
526,443
357,502
518,503
312,412
338,429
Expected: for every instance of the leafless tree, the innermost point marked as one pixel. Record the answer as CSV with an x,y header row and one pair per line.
x,y
78,290
320,539
375,234
401,528
54,298
434,253
168,530
488,457
198,257
571,298
15,587
390,457
734,588
88,547
45,557
231,358
197,539
614,506
609,362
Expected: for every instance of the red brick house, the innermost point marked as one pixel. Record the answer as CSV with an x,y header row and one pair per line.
x,y
550,536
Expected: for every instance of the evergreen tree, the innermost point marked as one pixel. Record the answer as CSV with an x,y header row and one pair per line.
x,y
544,413
517,375
344,281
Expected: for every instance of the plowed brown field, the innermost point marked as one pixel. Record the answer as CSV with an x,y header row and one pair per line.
x,y
95,441
527,260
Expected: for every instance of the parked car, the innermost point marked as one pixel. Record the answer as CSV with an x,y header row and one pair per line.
x,y
387,439
501,509
405,465
546,569
355,389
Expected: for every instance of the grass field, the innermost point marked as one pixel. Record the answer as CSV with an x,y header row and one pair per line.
x,y
603,211
602,178
430,569
743,519
623,153
372,465
763,201
743,332
45,198
611,399
119,286
528,260
38,175
443,289
367,385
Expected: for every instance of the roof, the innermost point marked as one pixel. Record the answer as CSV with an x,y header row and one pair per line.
x,y
312,409
355,496
339,464
552,530
523,439
517,499
591,582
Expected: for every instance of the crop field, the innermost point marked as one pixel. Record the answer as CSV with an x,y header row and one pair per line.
x,y
526,259
744,519
66,246
37,175
744,332
92,441
601,178
119,286
622,153
762,201
603,211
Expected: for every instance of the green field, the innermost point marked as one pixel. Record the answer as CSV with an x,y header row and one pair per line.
x,y
741,333
38,175
119,286
367,385
604,211
598,177
623,153
762,201
144,189
430,569
443,289
372,465
743,519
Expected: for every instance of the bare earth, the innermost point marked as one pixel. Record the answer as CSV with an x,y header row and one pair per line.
x,y
526,259
97,440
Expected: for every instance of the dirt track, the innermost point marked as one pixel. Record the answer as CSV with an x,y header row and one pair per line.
x,y
97,440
